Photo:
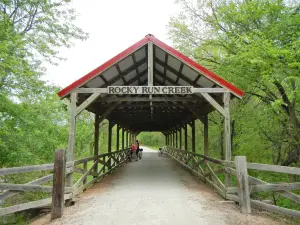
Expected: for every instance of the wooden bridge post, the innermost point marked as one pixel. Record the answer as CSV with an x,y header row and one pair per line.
x,y
58,190
118,136
126,138
227,134
168,138
72,132
96,139
176,138
180,138
123,144
185,138
193,136
110,126
243,184
205,123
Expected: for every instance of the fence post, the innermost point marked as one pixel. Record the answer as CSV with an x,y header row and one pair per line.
x,y
243,184
58,189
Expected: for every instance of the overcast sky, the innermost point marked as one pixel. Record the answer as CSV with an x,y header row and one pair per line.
x,y
113,25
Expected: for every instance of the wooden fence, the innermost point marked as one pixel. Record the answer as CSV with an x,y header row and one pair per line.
x,y
90,173
211,171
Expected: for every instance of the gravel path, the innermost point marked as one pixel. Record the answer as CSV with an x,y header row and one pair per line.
x,y
155,190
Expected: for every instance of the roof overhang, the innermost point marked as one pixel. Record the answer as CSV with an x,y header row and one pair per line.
x,y
170,68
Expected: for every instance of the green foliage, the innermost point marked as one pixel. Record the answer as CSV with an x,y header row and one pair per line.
x,y
152,139
255,45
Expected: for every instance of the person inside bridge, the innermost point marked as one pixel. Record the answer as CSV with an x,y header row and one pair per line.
x,y
134,150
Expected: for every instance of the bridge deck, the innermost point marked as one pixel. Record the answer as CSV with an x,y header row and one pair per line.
x,y
154,190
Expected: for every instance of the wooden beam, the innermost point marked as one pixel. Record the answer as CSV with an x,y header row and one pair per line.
x,y
127,139
150,64
214,103
91,90
58,190
146,99
123,143
185,137
205,123
118,136
209,90
227,129
72,132
125,72
193,136
110,126
171,69
243,184
180,138
96,139
87,102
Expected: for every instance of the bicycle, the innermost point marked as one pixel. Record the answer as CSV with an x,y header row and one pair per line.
x,y
140,154
160,151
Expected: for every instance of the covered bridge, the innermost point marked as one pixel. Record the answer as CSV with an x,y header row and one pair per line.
x,y
151,87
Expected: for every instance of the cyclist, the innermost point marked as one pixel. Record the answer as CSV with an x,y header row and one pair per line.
x,y
134,149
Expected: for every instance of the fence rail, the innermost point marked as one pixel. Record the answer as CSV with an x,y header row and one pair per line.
x,y
207,170
107,162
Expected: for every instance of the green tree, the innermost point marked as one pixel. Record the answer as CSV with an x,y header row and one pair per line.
x,y
254,44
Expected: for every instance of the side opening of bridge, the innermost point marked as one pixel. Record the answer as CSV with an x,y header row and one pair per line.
x,y
152,87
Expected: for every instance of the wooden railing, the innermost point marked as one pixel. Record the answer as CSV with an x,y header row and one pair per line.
x,y
212,171
90,173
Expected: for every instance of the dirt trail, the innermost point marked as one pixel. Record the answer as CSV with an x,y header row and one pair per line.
x,y
155,190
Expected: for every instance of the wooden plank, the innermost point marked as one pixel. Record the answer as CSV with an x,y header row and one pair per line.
x,y
29,205
8,194
286,194
222,186
28,187
150,64
274,168
78,183
242,182
58,189
275,209
25,169
194,90
209,90
275,187
146,99
214,103
91,90
270,187
85,168
254,180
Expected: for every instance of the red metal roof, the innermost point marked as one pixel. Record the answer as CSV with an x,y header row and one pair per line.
x,y
150,38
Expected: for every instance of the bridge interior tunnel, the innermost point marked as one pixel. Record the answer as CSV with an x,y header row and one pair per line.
x,y
150,87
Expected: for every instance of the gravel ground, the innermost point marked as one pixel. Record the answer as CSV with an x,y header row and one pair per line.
x,y
154,190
